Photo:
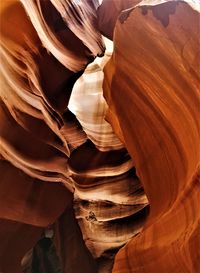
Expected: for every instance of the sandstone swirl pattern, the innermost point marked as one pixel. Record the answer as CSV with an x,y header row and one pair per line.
x,y
109,201
152,87
50,165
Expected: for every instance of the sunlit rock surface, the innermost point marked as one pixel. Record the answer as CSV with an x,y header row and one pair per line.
x,y
109,202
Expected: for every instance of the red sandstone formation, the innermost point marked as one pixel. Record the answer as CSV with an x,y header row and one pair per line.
x,y
151,85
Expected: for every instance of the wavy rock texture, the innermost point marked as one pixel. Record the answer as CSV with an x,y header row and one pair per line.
x,y
37,132
152,87
30,78
109,202
36,88
88,105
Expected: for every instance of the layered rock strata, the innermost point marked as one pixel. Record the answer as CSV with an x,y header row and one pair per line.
x,y
152,87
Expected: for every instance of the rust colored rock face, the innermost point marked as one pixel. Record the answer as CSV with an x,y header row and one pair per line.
x,y
108,13
36,131
154,92
75,170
